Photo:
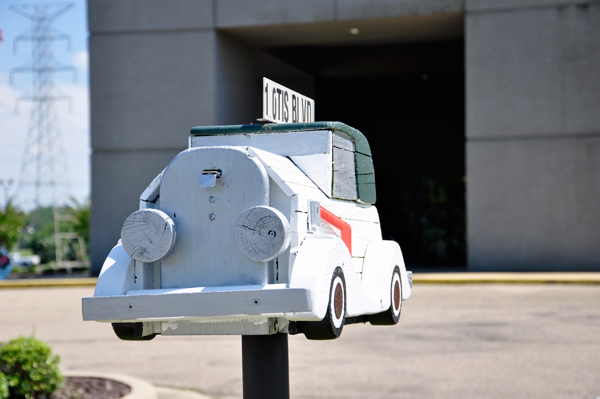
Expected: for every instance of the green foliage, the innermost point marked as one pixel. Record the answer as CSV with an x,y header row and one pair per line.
x,y
80,219
3,386
12,221
30,367
39,232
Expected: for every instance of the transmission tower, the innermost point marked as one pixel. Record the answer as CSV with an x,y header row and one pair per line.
x,y
43,178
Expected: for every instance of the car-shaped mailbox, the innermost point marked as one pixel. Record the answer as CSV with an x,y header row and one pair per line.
x,y
255,229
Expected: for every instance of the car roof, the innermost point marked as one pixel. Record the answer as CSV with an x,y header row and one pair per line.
x,y
365,172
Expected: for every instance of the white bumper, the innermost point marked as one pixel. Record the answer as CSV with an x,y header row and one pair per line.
x,y
272,300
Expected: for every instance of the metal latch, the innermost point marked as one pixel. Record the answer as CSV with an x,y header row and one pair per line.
x,y
209,177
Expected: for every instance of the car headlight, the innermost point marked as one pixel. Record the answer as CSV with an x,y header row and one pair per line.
x,y
148,235
262,233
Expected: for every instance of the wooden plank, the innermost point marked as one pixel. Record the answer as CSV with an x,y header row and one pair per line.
x,y
368,230
250,326
152,305
352,211
344,167
285,144
343,141
344,178
318,168
282,170
365,179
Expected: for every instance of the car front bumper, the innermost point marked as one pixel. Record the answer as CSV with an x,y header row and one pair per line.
x,y
272,300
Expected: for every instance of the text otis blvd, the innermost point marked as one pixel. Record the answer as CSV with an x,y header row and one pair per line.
x,y
282,105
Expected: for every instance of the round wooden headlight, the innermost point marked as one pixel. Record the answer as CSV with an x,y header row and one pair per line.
x,y
148,235
262,233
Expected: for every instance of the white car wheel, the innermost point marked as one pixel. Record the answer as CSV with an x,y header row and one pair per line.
x,y
337,302
392,315
333,323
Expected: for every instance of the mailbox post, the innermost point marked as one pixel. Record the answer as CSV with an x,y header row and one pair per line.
x,y
265,366
261,231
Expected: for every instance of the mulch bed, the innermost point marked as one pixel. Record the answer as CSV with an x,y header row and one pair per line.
x,y
91,388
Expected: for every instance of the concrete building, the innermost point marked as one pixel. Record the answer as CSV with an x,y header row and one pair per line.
x,y
483,115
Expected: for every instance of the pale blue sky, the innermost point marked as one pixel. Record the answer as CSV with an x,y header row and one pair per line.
x,y
73,125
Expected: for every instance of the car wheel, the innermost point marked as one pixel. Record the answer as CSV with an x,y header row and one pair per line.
x,y
333,323
131,331
392,315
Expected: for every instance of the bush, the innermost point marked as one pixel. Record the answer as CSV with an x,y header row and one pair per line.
x,y
30,368
3,386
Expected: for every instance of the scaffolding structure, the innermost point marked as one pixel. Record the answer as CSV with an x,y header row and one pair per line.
x,y
43,177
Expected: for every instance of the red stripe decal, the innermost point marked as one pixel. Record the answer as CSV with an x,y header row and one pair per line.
x,y
344,227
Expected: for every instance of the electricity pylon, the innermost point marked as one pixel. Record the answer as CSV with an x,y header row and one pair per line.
x,y
43,178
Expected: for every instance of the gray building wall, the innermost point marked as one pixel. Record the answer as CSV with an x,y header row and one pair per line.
x,y
159,67
533,135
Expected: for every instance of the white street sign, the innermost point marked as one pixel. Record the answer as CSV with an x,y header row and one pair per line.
x,y
282,105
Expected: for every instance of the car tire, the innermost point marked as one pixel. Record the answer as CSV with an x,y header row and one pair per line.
x,y
333,323
392,315
131,332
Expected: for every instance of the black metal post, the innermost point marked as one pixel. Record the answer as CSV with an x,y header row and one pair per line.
x,y
265,364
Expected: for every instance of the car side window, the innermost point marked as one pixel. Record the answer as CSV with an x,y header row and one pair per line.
x,y
344,167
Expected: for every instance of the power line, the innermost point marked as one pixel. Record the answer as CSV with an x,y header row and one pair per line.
x,y
43,177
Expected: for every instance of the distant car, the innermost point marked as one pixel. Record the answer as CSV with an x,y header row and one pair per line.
x,y
17,260
255,229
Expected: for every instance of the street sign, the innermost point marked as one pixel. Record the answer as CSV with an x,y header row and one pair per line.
x,y
282,105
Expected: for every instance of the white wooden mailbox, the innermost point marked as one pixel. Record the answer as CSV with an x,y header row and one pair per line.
x,y
255,229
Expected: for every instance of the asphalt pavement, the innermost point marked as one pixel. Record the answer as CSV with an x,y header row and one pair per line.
x,y
498,340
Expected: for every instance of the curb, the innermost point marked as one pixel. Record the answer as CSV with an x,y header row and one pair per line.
x,y
140,389
418,278
508,278
49,282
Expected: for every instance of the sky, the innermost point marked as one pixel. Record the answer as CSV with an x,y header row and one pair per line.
x,y
73,124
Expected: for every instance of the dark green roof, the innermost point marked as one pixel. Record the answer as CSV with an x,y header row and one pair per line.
x,y
365,173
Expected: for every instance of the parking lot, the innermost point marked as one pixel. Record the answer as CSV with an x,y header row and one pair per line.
x,y
453,341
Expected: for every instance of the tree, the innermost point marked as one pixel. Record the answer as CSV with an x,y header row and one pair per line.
x,y
12,221
39,233
80,218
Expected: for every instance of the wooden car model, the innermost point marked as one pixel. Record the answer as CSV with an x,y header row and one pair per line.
x,y
255,229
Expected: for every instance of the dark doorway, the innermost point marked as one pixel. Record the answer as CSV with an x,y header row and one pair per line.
x,y
409,101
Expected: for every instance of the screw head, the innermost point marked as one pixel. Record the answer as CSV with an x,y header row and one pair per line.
x,y
211,199
212,216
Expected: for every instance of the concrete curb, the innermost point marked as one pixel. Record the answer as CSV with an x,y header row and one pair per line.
x,y
418,278
508,278
140,389
49,282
